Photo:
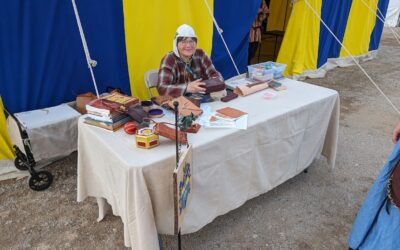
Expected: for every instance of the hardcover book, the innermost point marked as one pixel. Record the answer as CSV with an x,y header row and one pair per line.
x,y
112,119
107,125
111,103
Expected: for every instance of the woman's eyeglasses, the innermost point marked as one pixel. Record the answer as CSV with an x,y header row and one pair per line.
x,y
188,42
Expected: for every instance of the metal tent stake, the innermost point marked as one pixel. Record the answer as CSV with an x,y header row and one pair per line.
x,y
176,105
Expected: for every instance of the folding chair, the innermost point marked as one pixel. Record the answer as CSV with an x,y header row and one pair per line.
x,y
151,78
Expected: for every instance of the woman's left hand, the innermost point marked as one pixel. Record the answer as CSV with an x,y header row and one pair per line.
x,y
196,86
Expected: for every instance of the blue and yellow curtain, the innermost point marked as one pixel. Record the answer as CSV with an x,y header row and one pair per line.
x,y
308,45
42,62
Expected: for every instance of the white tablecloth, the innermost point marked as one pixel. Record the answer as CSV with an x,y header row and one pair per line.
x,y
285,134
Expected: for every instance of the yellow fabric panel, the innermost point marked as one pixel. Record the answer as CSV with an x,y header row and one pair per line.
x,y
276,19
360,25
299,49
150,28
6,151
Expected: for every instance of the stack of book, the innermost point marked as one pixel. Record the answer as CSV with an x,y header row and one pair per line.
x,y
109,112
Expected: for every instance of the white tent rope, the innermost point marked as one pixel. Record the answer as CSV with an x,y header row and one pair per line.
x,y
382,19
222,37
391,28
352,57
91,63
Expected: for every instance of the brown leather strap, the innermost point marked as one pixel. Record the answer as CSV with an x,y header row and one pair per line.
x,y
394,186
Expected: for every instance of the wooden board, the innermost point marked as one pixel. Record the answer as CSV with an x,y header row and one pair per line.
x,y
183,179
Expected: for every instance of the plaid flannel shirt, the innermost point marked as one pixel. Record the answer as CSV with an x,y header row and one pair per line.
x,y
174,74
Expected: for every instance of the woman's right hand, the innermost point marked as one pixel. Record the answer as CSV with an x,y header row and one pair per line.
x,y
196,86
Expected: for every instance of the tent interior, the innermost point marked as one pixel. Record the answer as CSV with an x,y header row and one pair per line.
x,y
273,30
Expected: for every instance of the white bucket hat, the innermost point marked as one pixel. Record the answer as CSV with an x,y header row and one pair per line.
x,y
183,31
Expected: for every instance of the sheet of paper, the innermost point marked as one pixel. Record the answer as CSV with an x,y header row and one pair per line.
x,y
241,123
220,122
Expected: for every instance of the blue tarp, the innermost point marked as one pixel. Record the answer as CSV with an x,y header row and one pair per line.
x,y
42,62
236,34
335,15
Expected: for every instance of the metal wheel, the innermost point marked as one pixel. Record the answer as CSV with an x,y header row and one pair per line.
x,y
40,181
20,164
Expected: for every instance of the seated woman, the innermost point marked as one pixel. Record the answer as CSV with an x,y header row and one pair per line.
x,y
183,70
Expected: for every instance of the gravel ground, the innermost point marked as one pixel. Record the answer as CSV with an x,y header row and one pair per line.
x,y
313,210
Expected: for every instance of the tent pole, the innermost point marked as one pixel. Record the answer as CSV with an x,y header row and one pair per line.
x,y
222,37
91,63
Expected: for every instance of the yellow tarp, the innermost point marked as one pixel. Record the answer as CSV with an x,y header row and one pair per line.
x,y
6,151
358,33
149,35
299,48
277,15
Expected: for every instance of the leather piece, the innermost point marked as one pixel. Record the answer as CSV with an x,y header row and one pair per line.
x,y
250,89
161,99
82,100
214,85
194,101
185,107
275,85
229,97
137,113
394,186
231,112
164,130
193,129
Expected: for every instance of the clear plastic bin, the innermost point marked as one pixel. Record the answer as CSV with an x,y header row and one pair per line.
x,y
261,71
279,68
266,71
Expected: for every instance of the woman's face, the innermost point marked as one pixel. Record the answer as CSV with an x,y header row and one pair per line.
x,y
186,47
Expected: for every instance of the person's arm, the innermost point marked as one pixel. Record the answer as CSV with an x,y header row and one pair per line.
x,y
166,84
264,8
263,12
396,133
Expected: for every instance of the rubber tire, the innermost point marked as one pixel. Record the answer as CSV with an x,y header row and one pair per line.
x,y
19,164
41,181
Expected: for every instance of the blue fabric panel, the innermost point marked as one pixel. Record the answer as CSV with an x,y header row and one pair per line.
x,y
42,61
235,28
377,225
377,32
335,15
